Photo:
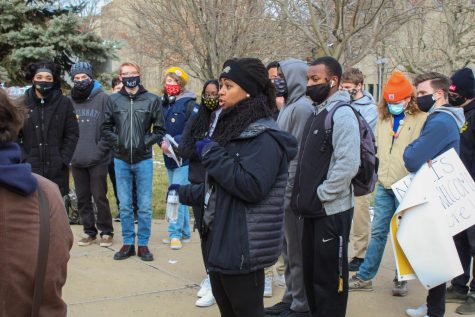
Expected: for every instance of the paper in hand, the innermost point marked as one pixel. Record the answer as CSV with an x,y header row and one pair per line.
x,y
172,148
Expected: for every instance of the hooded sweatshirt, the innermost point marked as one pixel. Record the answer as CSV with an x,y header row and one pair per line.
x,y
91,148
297,108
368,109
15,176
336,192
439,134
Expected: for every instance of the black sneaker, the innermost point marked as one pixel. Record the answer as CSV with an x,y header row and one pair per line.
x,y
145,254
277,309
125,252
291,313
354,264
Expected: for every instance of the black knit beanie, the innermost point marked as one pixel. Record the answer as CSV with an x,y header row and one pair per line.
x,y
463,83
234,70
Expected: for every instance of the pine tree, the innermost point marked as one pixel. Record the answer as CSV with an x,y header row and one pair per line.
x,y
31,30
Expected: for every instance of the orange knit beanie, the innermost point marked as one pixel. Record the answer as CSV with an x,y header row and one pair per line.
x,y
397,88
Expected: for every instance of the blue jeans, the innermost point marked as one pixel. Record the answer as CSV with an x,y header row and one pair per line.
x,y
143,172
385,204
180,229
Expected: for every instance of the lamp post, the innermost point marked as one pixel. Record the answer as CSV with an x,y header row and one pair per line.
x,y
380,62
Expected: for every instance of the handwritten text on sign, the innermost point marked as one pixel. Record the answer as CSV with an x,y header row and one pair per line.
x,y
451,186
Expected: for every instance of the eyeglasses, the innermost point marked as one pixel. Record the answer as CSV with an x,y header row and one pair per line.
x,y
210,95
130,74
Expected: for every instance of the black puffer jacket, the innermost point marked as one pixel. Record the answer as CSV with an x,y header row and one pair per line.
x,y
132,124
248,176
49,137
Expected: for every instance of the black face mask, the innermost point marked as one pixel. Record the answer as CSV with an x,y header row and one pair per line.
x,y
82,84
82,90
353,93
457,101
280,87
425,103
318,93
131,82
45,88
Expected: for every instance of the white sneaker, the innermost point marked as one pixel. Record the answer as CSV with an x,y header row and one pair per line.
x,y
420,311
167,240
279,280
268,286
206,300
205,286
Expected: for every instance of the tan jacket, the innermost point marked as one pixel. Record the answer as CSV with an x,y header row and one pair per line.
x,y
19,232
391,164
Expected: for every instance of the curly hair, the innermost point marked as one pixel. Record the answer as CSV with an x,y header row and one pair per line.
x,y
384,113
32,68
12,116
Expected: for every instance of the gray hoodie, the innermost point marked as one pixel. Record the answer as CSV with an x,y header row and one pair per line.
x,y
368,109
297,109
91,149
336,192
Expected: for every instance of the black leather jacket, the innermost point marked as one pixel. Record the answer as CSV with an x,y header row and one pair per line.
x,y
132,124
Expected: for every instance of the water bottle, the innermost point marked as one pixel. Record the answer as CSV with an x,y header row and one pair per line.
x,y
172,206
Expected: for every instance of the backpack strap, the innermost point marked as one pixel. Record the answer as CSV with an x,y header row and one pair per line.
x,y
329,117
328,124
43,249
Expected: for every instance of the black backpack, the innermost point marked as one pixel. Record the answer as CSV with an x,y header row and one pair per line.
x,y
365,180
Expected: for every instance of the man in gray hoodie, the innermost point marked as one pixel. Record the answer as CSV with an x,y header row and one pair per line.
x,y
352,81
291,84
323,195
91,157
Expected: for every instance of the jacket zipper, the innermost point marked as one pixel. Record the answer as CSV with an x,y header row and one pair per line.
x,y
43,135
131,129
242,261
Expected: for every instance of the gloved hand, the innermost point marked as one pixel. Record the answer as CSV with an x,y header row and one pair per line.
x,y
200,145
174,187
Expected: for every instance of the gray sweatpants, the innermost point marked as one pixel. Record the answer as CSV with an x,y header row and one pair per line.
x,y
295,288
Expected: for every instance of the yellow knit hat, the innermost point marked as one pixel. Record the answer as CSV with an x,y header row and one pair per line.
x,y
180,72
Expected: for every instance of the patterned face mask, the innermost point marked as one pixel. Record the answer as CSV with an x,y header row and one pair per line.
x,y
211,103
172,89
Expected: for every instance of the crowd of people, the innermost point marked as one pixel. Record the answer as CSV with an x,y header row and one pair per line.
x,y
269,158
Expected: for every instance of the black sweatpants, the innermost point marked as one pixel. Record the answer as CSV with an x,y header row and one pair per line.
x,y
325,261
436,301
239,295
92,182
465,243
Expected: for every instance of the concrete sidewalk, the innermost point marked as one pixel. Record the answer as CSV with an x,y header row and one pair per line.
x,y
99,286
